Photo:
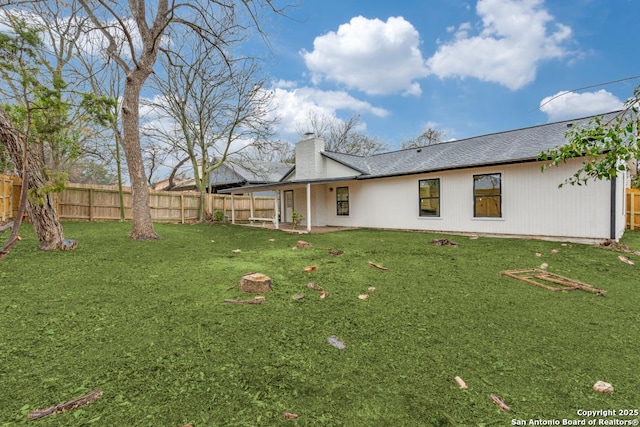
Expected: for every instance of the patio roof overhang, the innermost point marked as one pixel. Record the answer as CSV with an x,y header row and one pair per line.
x,y
284,184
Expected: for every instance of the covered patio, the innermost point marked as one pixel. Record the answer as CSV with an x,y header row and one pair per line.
x,y
282,218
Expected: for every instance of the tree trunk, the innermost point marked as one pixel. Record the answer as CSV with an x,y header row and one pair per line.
x,y
142,226
41,212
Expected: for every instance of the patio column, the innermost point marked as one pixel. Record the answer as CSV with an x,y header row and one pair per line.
x,y
251,215
309,208
275,210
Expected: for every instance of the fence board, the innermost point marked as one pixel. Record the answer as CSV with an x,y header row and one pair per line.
x,y
6,201
10,187
633,209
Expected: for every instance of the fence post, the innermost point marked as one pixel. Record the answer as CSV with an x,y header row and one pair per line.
x,y
182,208
90,204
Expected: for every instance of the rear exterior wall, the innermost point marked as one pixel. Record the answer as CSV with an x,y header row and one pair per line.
x,y
531,204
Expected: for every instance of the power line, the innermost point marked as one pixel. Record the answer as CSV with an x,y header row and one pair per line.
x,y
584,88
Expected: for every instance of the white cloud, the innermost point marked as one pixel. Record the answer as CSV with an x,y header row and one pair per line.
x,y
293,106
370,55
569,105
515,37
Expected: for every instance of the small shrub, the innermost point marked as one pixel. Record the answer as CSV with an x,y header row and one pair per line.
x,y
218,216
296,218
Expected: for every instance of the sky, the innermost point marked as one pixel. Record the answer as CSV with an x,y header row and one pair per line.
x,y
465,68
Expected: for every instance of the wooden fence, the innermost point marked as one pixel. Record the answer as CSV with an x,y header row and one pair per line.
x,y
9,196
102,203
633,209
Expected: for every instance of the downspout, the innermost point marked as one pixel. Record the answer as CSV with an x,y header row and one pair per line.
x,y
308,208
613,223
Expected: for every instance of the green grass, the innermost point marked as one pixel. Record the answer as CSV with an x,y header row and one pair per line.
x,y
145,323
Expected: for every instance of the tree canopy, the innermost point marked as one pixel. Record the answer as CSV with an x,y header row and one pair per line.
x,y
607,146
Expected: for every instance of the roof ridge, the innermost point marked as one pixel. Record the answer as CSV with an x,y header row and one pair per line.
x,y
501,132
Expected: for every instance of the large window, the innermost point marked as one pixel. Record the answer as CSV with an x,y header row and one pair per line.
x,y
487,195
429,197
342,200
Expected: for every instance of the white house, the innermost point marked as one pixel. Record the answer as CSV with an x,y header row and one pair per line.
x,y
491,184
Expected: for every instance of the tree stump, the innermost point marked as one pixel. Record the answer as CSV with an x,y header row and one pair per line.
x,y
256,283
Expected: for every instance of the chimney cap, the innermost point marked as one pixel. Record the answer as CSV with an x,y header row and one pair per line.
x,y
308,135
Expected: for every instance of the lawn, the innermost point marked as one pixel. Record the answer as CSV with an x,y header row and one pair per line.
x,y
146,323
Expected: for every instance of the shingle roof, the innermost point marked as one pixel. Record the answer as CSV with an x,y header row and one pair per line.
x,y
249,171
498,148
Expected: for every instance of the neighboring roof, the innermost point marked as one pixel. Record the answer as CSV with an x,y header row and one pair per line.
x,y
249,171
513,146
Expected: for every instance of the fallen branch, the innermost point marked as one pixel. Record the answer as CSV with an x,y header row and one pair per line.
x,y
5,227
67,406
503,406
378,266
256,300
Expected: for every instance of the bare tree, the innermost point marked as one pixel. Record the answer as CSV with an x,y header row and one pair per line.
x,y
342,136
143,25
428,137
218,106
65,120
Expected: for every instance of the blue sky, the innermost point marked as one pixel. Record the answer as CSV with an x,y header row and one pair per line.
x,y
467,68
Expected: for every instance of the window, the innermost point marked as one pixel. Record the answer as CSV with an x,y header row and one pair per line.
x,y
429,197
342,200
487,195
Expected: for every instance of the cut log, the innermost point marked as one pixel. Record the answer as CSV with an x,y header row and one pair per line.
x,y
461,382
67,406
256,283
602,387
310,268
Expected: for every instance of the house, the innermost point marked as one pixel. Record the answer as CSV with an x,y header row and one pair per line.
x,y
232,174
490,184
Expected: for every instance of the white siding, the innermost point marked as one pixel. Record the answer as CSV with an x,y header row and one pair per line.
x,y
337,170
532,204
